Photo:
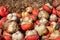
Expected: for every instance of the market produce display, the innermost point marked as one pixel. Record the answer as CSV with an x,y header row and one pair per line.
x,y
31,24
